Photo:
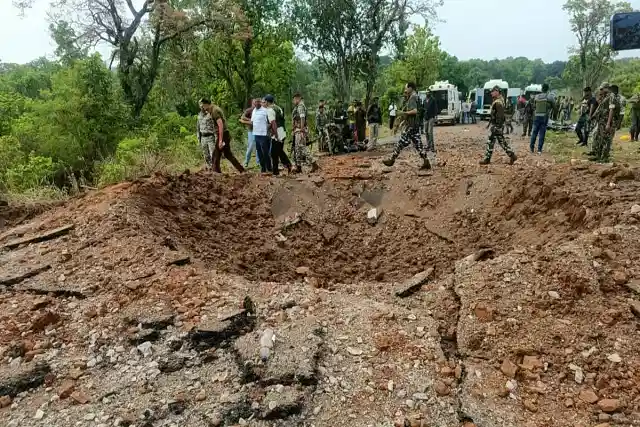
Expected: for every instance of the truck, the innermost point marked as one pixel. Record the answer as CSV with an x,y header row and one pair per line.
x,y
484,110
448,101
532,90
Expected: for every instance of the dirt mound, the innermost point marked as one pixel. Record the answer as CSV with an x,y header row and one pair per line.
x,y
151,307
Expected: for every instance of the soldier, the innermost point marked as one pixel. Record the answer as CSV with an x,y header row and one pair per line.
x,y
586,106
214,136
634,102
301,154
508,116
411,132
544,105
497,128
529,111
322,120
605,115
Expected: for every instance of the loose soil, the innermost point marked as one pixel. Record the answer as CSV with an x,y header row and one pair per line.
x,y
137,313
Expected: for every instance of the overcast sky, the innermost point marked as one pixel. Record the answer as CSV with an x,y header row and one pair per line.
x,y
484,29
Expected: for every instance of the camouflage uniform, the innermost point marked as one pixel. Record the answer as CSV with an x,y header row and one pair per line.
x,y
497,132
529,110
322,119
604,138
301,154
410,134
206,131
508,115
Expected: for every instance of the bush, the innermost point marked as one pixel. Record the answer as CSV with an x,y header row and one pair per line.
x,y
37,171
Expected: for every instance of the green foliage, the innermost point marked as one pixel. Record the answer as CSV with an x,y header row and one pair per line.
x,y
36,171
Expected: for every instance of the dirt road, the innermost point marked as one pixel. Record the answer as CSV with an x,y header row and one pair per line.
x,y
492,296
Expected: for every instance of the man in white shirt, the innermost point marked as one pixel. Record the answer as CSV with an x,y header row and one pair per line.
x,y
277,134
260,122
392,114
466,107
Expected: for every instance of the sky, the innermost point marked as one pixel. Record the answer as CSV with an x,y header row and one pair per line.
x,y
484,29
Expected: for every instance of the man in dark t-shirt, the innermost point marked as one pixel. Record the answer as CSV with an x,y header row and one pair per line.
x,y
411,133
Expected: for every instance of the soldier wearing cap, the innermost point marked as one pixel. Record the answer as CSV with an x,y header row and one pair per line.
x,y
497,129
605,117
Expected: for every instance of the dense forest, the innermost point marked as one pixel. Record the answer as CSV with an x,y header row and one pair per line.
x,y
84,120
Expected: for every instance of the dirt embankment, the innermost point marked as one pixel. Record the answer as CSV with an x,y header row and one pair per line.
x,y
134,310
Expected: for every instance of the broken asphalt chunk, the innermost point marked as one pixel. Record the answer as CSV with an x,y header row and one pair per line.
x,y
219,333
13,382
42,237
14,280
414,284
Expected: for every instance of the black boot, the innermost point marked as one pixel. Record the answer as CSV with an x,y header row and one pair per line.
x,y
485,161
513,158
389,162
426,165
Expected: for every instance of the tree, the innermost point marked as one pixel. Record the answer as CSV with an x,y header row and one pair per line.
x,y
378,20
328,31
590,23
68,48
139,36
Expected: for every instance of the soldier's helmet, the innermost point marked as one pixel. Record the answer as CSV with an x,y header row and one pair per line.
x,y
495,88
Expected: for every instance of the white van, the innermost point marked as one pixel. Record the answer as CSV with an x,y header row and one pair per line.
x,y
448,101
484,110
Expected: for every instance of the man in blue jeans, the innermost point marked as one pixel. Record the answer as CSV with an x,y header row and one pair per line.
x,y
544,104
245,119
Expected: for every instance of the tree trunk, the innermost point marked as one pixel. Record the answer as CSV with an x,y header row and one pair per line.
x,y
248,73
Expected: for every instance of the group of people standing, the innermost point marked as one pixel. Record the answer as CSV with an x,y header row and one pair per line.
x,y
265,122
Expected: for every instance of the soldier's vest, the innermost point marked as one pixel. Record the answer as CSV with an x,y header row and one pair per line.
x,y
542,106
280,119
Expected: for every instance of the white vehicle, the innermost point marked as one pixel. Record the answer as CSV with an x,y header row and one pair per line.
x,y
532,90
484,110
448,102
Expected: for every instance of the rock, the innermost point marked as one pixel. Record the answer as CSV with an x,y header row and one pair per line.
x,y
39,414
75,374
294,358
633,286
635,308
420,396
145,349
171,363
65,390
386,169
5,401
483,312
509,368
282,405
218,333
354,351
568,403
635,210
554,294
89,417
317,180
609,405
201,396
80,397
604,417
46,319
414,284
373,215
303,271
588,396
179,260
615,358
620,277
329,232
441,389
531,362
150,320
530,405
16,380
604,425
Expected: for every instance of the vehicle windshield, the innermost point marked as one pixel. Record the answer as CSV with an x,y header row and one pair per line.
x,y
441,99
488,100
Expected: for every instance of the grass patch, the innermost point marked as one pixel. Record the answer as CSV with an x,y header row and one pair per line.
x,y
562,146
